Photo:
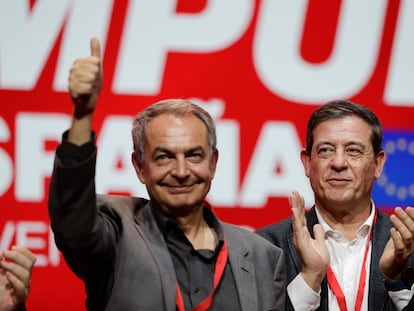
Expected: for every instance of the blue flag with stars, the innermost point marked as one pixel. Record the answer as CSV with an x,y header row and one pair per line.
x,y
395,187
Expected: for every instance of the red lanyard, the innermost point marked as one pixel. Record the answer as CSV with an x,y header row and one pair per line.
x,y
336,288
218,273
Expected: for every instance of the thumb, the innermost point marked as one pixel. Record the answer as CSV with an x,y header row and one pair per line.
x,y
95,47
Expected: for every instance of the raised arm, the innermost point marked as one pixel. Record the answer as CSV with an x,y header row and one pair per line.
x,y
85,83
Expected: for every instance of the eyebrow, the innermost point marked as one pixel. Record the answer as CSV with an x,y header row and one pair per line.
x,y
166,150
347,144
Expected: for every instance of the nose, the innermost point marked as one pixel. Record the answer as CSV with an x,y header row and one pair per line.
x,y
180,169
339,159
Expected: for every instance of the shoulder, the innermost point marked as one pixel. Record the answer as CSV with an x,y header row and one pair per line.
x,y
120,204
119,201
382,215
237,235
237,231
276,230
382,223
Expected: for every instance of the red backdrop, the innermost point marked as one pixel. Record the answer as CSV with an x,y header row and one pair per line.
x,y
259,67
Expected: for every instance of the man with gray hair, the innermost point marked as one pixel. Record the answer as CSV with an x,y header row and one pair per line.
x,y
170,252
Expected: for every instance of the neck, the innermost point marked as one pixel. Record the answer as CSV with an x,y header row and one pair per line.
x,y
345,221
197,231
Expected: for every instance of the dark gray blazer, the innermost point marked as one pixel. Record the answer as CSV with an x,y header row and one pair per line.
x,y
281,234
115,246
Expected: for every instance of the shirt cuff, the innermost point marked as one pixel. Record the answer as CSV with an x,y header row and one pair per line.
x,y
401,298
302,297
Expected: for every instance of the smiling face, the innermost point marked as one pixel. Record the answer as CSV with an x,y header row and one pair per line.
x,y
177,166
342,165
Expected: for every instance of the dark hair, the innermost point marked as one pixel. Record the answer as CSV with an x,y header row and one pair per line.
x,y
178,107
336,109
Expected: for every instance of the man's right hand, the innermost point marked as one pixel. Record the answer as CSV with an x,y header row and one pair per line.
x,y
313,253
85,81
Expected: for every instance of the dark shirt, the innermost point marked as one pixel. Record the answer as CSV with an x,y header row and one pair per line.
x,y
194,268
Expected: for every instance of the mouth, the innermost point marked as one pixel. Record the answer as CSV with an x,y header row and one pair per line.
x,y
180,189
338,181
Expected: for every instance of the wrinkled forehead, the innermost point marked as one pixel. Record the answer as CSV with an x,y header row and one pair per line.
x,y
343,130
169,128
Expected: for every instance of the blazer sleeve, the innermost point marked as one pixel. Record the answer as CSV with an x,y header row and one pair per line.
x,y
83,231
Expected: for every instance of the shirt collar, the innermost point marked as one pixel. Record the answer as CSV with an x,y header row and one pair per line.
x,y
362,231
167,224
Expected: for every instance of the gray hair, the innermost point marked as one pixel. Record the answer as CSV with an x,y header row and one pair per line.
x,y
178,107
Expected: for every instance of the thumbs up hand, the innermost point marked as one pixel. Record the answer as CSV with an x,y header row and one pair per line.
x,y
85,81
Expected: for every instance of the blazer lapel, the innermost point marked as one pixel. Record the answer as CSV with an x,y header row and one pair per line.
x,y
377,294
244,277
147,227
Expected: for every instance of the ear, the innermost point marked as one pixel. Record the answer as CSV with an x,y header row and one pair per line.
x,y
380,159
138,166
305,158
214,159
